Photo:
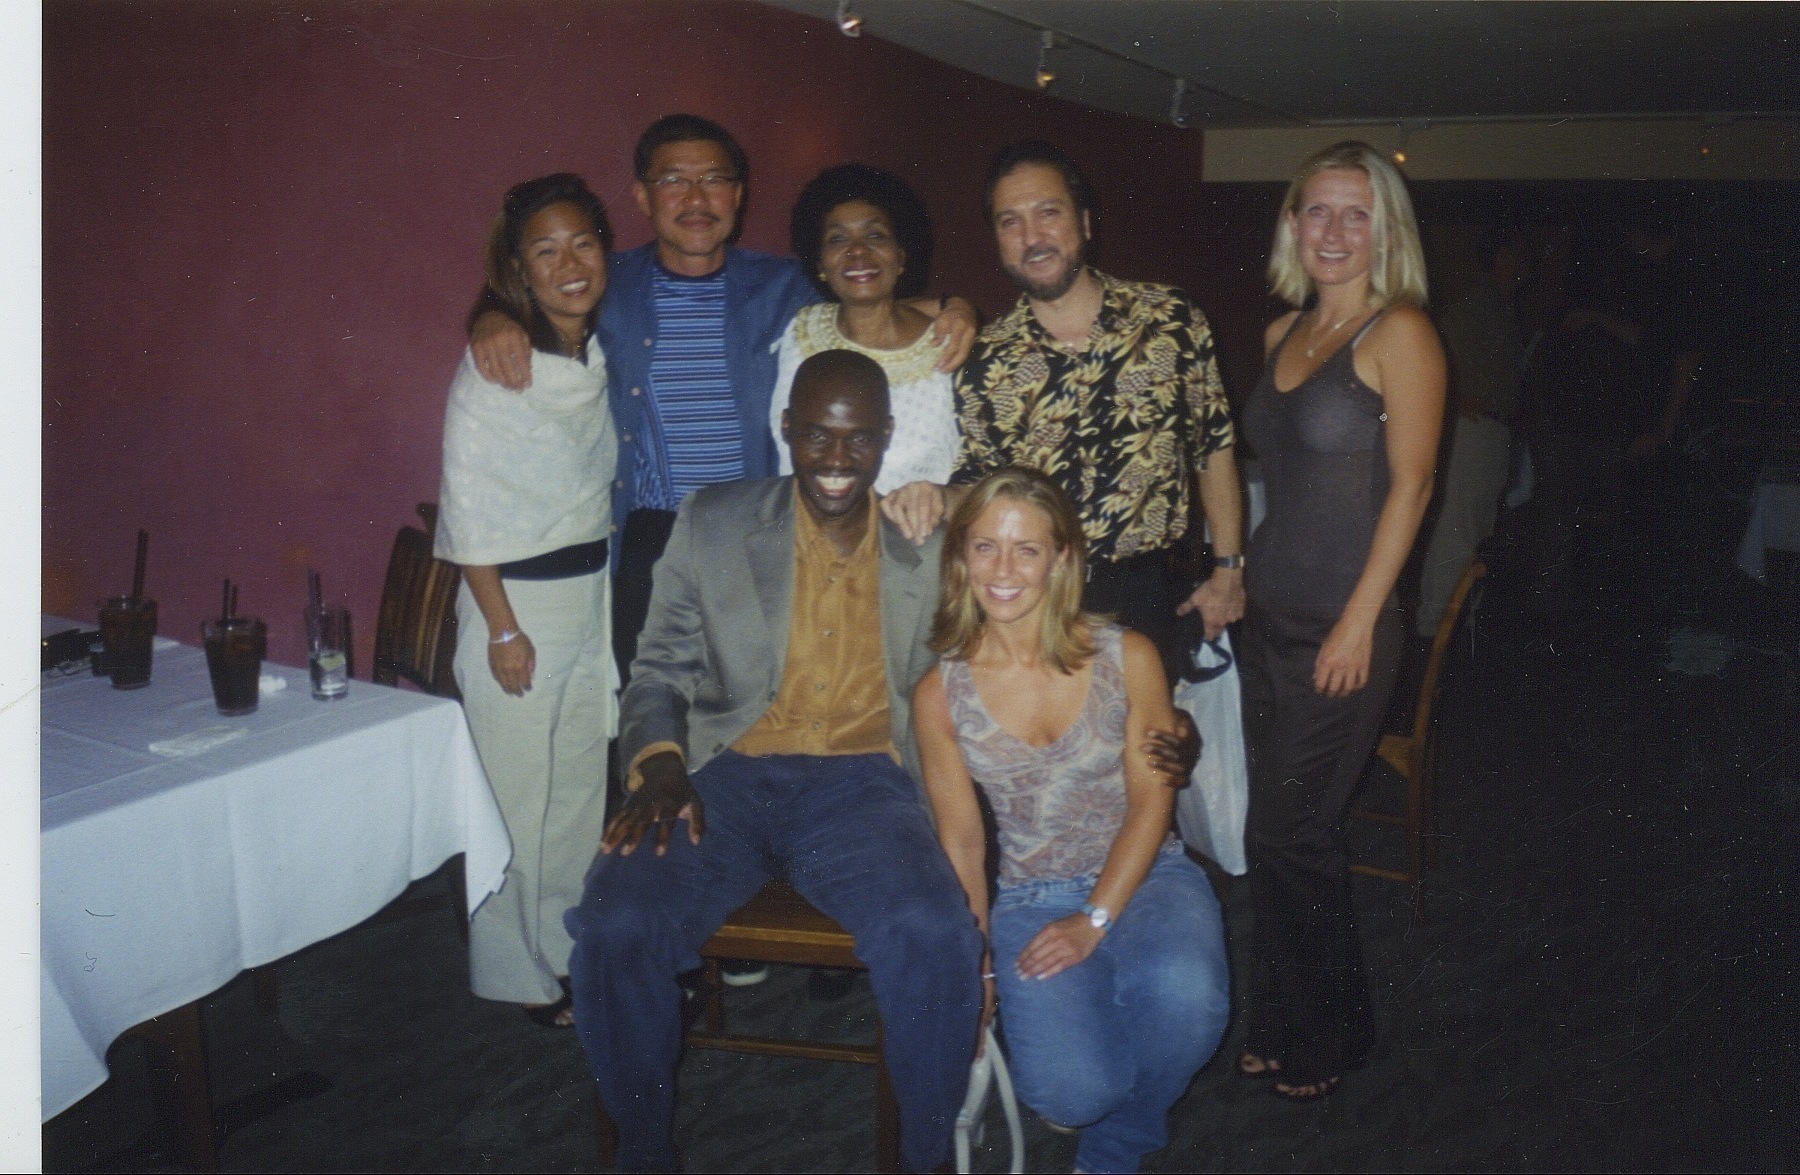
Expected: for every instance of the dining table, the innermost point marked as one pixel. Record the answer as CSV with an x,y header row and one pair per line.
x,y
180,847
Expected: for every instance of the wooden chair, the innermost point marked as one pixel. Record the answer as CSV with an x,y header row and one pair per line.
x,y
415,639
1412,755
415,636
780,926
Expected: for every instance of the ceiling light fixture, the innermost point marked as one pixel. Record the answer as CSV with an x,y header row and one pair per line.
x,y
848,22
1407,127
1177,115
1045,75
1710,126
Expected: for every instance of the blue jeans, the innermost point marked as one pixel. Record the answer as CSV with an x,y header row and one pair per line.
x,y
1110,1044
851,834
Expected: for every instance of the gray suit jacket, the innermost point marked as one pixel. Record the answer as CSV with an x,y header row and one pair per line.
x,y
711,656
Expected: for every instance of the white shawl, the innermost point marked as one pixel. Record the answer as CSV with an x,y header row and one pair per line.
x,y
526,474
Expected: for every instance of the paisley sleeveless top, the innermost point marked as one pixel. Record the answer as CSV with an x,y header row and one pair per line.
x,y
1059,807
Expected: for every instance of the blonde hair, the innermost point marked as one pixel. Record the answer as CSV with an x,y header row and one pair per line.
x,y
1397,274
1063,639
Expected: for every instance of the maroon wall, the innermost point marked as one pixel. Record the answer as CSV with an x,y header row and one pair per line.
x,y
262,228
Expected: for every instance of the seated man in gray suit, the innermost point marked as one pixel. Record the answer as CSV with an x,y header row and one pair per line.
x,y
770,709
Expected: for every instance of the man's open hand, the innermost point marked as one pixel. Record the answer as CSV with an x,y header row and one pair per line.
x,y
502,351
666,795
1219,599
955,327
1173,754
916,508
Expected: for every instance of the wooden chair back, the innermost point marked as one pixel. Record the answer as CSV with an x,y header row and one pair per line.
x,y
1413,756
415,636
1422,738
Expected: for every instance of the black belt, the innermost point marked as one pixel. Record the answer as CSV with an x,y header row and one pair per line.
x,y
566,563
1155,560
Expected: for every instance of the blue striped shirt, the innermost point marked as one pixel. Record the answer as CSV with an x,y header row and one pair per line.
x,y
693,437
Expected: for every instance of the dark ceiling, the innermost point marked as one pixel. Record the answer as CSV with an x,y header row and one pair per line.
x,y
1299,62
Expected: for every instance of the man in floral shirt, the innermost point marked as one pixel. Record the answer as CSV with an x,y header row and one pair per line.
x,y
1112,389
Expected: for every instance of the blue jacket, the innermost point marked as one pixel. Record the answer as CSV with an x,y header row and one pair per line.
x,y
762,295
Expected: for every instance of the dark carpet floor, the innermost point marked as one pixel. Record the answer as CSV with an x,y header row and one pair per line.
x,y
1604,977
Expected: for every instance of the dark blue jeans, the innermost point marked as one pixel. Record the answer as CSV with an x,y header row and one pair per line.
x,y
851,834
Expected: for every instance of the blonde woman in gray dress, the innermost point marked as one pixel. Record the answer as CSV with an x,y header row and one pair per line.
x,y
1345,421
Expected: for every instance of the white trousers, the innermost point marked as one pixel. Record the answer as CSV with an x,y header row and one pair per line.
x,y
545,755
1480,459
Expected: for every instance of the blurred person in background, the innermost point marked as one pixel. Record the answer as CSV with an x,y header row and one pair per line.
x,y
1481,343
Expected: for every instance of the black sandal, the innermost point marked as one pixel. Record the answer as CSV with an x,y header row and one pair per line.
x,y
1267,1066
1307,1091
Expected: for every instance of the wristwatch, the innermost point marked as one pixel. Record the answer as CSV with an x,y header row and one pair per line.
x,y
1228,562
1099,917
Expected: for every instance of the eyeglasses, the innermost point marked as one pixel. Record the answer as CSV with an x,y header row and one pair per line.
x,y
683,184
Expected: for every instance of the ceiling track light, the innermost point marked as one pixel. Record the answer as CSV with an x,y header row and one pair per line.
x,y
1177,115
1045,75
848,21
1710,126
1407,127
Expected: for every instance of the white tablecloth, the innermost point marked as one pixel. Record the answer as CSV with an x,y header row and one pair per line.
x,y
165,877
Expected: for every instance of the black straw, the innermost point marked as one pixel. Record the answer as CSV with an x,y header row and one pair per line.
x,y
137,574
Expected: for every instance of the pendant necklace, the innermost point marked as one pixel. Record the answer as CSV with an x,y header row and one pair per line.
x,y
1318,338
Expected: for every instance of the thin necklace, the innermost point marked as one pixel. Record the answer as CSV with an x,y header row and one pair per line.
x,y
1318,338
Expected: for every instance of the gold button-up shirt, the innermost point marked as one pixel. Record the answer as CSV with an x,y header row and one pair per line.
x,y
833,697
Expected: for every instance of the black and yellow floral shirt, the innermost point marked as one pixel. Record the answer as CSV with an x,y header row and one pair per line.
x,y
1116,424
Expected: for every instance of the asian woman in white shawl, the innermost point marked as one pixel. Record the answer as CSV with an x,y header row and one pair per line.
x,y
525,509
